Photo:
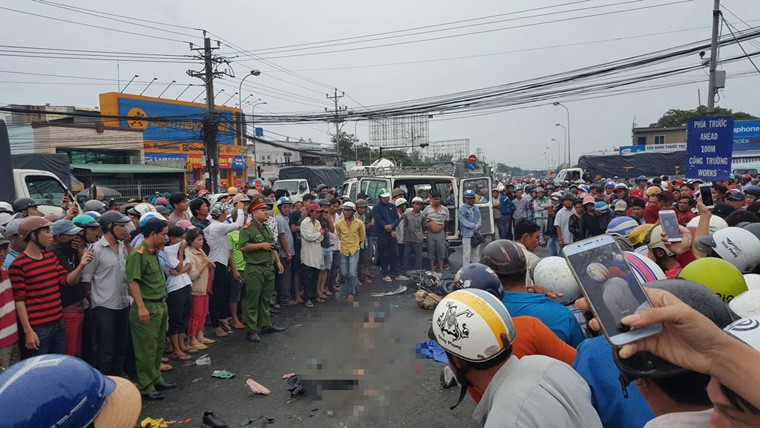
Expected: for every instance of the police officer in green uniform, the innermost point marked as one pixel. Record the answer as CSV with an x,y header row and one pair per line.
x,y
148,314
257,246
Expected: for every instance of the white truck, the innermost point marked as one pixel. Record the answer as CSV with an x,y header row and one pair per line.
x,y
42,186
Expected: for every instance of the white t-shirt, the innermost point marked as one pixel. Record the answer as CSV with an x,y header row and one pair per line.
x,y
562,219
216,237
175,282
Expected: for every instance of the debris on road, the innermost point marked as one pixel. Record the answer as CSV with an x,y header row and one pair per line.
x,y
154,423
211,419
203,360
400,290
257,388
222,374
288,375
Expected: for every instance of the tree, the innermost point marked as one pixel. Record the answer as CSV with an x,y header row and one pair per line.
x,y
509,170
676,117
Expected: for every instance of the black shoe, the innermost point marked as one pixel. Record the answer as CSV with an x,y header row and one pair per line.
x,y
214,421
153,396
254,337
163,386
272,329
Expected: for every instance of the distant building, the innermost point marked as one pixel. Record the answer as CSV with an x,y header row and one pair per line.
x,y
275,154
650,136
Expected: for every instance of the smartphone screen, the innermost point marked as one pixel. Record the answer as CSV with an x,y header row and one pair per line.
x,y
706,193
610,286
670,225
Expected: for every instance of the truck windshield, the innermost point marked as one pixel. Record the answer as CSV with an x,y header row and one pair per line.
x,y
290,185
45,190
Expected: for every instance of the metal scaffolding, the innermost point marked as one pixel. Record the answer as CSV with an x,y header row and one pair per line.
x,y
411,131
457,149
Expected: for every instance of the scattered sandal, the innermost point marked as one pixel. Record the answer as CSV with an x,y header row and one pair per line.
x,y
222,374
320,300
308,304
257,388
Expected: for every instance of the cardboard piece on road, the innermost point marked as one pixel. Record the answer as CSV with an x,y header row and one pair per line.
x,y
400,290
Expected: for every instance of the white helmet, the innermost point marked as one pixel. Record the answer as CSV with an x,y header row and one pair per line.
x,y
143,208
753,281
597,271
5,207
469,324
401,201
643,267
747,331
746,304
145,218
348,205
716,224
553,273
500,187
739,247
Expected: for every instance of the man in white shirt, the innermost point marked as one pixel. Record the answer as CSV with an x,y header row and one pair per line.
x,y
219,253
562,220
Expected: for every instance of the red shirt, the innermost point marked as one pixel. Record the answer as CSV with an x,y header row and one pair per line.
x,y
8,329
36,283
684,216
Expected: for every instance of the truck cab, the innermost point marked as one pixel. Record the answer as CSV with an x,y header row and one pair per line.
x,y
42,186
420,181
297,188
569,175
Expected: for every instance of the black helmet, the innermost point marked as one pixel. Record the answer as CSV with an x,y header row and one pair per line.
x,y
22,204
94,205
568,195
111,217
477,275
504,257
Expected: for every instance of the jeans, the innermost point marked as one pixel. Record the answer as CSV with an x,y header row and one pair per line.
x,y
415,247
552,243
363,269
52,338
470,254
348,267
505,227
387,249
283,282
108,339
309,278
541,222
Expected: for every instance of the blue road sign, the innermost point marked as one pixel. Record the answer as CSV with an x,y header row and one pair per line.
x,y
472,166
709,146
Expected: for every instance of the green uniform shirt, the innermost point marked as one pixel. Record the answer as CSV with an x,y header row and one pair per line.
x,y
252,233
237,255
144,268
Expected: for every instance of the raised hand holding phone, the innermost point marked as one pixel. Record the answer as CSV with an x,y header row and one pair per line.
x,y
610,287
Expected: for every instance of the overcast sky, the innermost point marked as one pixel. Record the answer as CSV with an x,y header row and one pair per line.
x,y
514,137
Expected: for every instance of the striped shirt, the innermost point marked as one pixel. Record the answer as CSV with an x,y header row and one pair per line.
x,y
36,283
8,329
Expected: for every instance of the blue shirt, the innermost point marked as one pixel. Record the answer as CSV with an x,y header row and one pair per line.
x,y
506,204
12,254
385,214
558,318
469,220
595,365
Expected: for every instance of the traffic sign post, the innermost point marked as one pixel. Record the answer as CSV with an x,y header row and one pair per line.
x,y
472,166
709,147
473,159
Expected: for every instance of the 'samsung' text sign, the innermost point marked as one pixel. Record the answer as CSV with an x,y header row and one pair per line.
x,y
709,144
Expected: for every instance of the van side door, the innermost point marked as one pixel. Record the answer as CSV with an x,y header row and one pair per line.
x,y
482,188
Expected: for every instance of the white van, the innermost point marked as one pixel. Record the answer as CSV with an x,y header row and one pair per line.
x,y
297,188
420,181
42,186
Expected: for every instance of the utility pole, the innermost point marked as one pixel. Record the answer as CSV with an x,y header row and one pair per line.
x,y
337,120
210,125
713,59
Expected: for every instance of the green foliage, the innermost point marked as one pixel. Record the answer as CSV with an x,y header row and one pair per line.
x,y
676,117
509,170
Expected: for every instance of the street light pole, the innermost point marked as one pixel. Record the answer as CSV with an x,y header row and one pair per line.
x,y
241,121
559,151
567,130
567,144
552,153
253,141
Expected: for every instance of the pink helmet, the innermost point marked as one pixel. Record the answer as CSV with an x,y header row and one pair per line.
x,y
589,200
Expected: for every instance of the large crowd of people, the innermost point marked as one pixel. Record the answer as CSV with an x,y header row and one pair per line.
x,y
132,288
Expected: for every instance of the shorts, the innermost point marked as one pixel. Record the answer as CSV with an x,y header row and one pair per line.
x,y
436,243
327,258
236,288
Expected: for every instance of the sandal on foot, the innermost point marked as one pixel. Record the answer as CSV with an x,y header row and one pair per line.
x,y
181,357
166,367
207,341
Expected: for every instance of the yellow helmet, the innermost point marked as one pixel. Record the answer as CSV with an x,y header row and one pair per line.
x,y
639,234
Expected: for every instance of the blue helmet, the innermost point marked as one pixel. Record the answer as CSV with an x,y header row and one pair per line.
x,y
621,226
480,276
584,188
609,185
63,391
601,207
469,194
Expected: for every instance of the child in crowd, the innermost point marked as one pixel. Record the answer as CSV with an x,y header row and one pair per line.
x,y
201,277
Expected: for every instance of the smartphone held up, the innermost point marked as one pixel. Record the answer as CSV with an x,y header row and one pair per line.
x,y
669,222
610,286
